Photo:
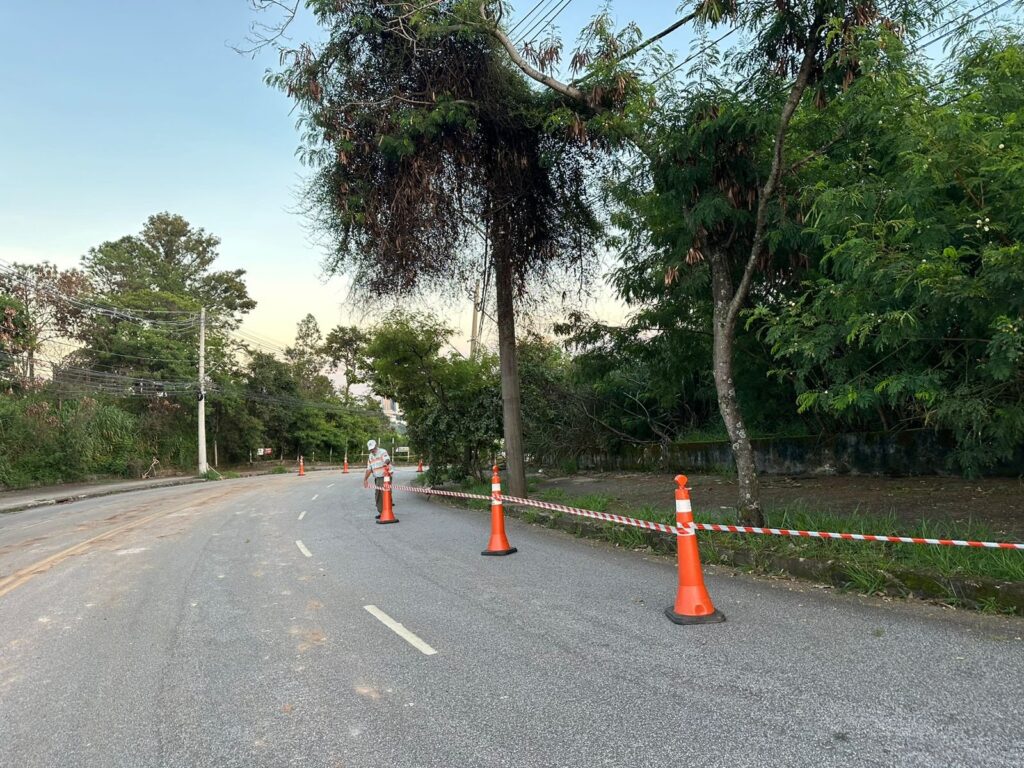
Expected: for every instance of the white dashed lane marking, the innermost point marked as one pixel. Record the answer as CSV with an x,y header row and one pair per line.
x,y
400,630
302,514
302,548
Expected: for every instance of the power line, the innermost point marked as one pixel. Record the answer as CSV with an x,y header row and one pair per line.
x,y
972,20
694,55
261,343
107,376
121,385
544,23
86,348
294,401
922,43
538,18
936,85
525,17
644,44
52,292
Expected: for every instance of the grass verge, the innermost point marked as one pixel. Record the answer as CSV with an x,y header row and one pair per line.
x,y
984,579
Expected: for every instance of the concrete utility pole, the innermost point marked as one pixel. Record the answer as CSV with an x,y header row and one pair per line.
x,y
203,467
473,332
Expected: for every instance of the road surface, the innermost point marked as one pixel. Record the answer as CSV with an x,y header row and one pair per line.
x,y
270,622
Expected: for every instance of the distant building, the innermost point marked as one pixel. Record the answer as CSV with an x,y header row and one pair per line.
x,y
394,413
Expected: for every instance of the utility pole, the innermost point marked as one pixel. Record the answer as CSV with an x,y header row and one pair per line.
x,y
473,332
203,467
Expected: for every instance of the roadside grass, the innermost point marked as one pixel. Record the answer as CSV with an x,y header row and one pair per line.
x,y
864,567
213,474
869,558
868,564
279,471
596,502
484,489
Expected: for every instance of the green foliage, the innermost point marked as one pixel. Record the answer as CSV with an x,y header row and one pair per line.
x,y
345,348
167,261
916,316
127,393
556,427
452,404
596,502
13,332
45,441
418,127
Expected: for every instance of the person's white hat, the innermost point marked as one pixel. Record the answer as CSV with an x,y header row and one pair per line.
x,y
371,444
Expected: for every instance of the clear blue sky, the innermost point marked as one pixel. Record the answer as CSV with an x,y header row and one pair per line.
x,y
117,109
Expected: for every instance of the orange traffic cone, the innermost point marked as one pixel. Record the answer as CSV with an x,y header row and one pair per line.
x,y
498,545
693,604
387,514
302,467
344,470
419,468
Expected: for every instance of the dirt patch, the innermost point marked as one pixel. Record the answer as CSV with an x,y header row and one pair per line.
x,y
307,637
25,544
997,503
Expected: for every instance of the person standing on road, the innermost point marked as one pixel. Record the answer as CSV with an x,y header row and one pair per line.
x,y
375,463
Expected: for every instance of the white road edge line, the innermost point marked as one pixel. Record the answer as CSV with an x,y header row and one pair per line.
x,y
400,630
316,496
302,514
302,548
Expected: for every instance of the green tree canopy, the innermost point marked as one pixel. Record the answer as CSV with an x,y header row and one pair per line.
x,y
916,318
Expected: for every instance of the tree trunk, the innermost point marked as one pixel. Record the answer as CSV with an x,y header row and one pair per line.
x,y
510,400
749,503
727,306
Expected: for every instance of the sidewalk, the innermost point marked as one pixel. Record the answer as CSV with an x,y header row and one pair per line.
x,y
13,501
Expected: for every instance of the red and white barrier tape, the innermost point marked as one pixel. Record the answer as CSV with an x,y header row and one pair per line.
x,y
857,536
671,529
433,492
633,521
637,523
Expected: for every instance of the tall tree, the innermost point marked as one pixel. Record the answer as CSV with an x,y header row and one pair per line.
x,y
307,354
163,275
418,125
345,348
149,288
168,265
794,48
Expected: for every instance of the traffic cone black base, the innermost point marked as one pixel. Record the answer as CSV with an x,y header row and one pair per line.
x,y
709,618
386,522
500,552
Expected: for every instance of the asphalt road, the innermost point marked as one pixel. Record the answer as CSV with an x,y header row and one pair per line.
x,y
225,624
